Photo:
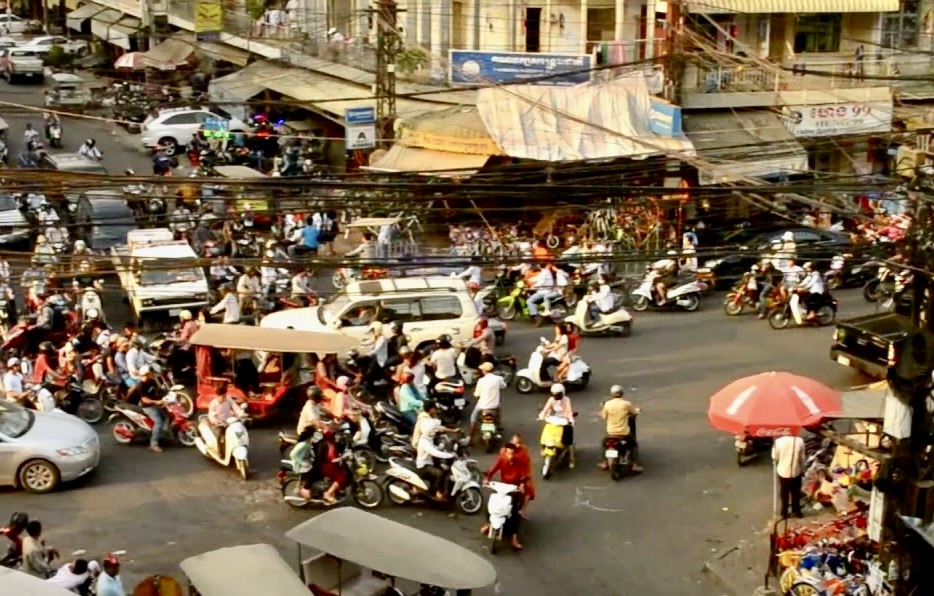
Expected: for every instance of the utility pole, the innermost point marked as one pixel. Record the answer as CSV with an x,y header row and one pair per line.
x,y
674,59
908,478
388,45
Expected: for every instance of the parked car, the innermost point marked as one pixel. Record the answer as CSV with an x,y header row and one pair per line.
x,y
43,449
10,23
13,225
173,128
816,245
17,63
71,162
8,42
44,44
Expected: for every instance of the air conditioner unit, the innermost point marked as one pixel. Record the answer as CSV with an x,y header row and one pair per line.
x,y
907,160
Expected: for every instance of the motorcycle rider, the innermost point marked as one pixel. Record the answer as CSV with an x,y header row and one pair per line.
x,y
249,287
793,275
301,285
443,361
137,359
488,392
313,412
620,418
482,343
378,355
220,410
559,405
666,273
37,556
229,304
145,394
13,380
180,220
786,251
49,119
162,164
768,279
13,531
410,399
813,285
30,136
512,470
397,340
473,274
44,253
599,301
542,286
427,452
89,149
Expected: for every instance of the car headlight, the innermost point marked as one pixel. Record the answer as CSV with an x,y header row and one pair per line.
x,y
201,296
713,263
148,302
72,451
840,335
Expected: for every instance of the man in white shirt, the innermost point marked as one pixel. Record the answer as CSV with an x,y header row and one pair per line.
x,y
473,274
813,284
13,380
543,285
137,358
383,240
380,350
426,452
109,582
75,575
230,305
788,453
443,360
301,284
600,300
249,287
488,393
561,282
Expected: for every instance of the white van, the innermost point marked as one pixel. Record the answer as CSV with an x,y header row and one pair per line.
x,y
428,307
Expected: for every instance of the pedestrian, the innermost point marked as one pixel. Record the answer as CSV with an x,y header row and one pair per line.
x,y
109,582
37,557
788,453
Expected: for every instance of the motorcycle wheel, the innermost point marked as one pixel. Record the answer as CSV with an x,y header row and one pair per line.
x,y
506,312
291,488
186,437
123,431
364,455
368,493
187,404
91,410
337,280
243,467
547,467
470,501
731,306
693,302
872,291
615,472
639,303
506,372
778,320
833,282
803,589
825,316
558,314
494,541
395,499
524,385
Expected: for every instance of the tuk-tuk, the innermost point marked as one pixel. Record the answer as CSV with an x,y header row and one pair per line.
x,y
239,198
73,91
364,554
274,361
246,570
17,582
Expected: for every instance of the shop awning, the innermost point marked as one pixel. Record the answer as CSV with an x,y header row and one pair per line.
x,y
791,6
735,145
222,52
586,122
76,18
458,129
120,32
102,21
427,162
242,85
170,54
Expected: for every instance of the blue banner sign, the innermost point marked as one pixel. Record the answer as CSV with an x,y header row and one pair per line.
x,y
478,68
214,123
665,119
360,116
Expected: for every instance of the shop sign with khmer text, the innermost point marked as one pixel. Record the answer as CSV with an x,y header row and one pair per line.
x,y
839,119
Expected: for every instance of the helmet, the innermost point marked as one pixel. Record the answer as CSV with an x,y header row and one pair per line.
x,y
46,347
788,237
40,239
672,253
314,393
616,391
376,327
557,389
90,142
19,519
12,362
144,370
185,315
80,245
754,268
395,327
473,286
444,339
404,350
808,265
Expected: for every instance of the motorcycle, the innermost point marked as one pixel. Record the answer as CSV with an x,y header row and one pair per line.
x,y
554,452
236,444
499,506
364,444
404,485
490,432
504,366
515,304
131,424
683,293
534,377
363,487
620,454
900,298
73,400
746,293
843,273
451,399
617,322
882,285
55,135
789,311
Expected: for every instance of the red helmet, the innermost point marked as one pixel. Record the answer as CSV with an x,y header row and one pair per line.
x,y
473,286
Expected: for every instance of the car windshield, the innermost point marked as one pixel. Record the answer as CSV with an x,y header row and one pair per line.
x,y
14,420
8,203
332,308
161,277
112,220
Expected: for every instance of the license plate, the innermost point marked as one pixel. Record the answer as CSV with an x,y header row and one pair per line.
x,y
174,312
611,453
460,402
488,427
843,360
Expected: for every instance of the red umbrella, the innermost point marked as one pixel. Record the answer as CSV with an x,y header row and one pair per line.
x,y
772,404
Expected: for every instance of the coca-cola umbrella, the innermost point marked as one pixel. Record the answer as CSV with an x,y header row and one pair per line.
x,y
772,404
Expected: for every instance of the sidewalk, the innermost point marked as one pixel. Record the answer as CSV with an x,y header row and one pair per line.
x,y
740,570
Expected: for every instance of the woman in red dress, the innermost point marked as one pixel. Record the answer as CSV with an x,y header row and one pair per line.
x,y
525,458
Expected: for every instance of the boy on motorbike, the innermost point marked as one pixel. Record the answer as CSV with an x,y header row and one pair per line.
x,y
620,418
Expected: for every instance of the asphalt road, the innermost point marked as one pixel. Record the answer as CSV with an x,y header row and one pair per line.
x,y
643,535
647,535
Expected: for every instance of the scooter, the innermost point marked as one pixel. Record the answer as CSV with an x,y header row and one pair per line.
x,y
530,378
620,456
515,304
617,322
685,295
554,451
490,432
131,423
55,135
362,487
236,444
505,367
499,506
783,316
404,485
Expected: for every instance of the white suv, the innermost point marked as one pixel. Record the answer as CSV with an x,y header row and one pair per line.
x,y
174,127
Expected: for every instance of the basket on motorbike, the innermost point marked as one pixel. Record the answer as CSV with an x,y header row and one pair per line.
x,y
273,373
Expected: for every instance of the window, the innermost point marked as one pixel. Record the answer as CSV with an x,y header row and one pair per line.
x,y
805,237
439,308
818,33
182,119
900,29
400,310
360,315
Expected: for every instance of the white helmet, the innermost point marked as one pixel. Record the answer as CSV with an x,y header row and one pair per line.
x,y
80,245
557,389
12,362
788,237
144,370
808,266
672,253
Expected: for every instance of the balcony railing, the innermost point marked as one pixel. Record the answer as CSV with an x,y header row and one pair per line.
x,y
805,72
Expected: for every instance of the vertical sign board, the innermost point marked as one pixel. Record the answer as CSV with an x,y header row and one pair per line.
x,y
209,20
359,128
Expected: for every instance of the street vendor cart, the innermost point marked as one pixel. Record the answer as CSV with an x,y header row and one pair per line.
x,y
261,367
247,570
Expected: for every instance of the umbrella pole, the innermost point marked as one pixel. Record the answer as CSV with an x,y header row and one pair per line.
x,y
774,490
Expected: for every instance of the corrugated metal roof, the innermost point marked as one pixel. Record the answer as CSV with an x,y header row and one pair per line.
x,y
791,6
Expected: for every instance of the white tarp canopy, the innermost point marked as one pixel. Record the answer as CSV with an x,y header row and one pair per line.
x,y
586,122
